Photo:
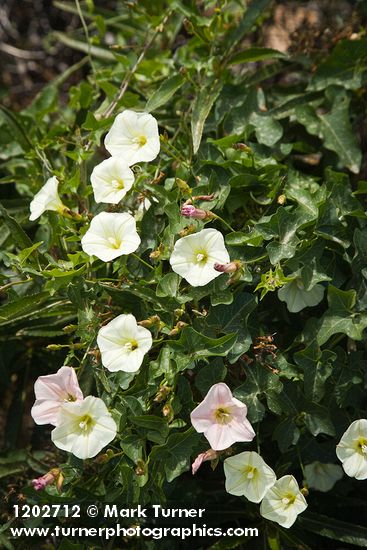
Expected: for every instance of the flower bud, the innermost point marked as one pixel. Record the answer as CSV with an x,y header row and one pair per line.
x,y
167,411
41,483
140,468
190,211
242,147
69,328
151,321
281,199
162,393
179,326
231,267
304,491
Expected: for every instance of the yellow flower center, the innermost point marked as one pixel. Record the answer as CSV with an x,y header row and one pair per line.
x,y
70,398
201,257
86,423
117,184
362,445
288,499
140,140
130,346
114,242
223,415
250,472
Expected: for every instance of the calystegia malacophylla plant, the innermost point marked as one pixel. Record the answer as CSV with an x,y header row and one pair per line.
x,y
183,282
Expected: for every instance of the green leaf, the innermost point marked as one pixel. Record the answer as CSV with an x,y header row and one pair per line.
x,y
346,66
20,236
335,529
317,366
164,93
202,106
286,434
233,318
95,51
340,318
260,383
252,13
255,54
168,285
353,326
268,130
317,420
341,301
157,427
23,306
13,123
209,375
334,127
199,345
175,454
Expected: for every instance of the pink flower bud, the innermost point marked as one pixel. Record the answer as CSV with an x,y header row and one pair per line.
x,y
41,482
231,267
190,211
203,457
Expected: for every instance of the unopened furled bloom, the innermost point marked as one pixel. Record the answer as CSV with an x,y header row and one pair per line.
x,y
352,449
203,457
111,180
194,256
247,474
297,297
222,418
123,344
190,211
111,235
84,428
133,137
47,198
52,391
283,502
322,477
41,483
231,267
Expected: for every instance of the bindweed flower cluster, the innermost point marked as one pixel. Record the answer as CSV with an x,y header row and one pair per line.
x,y
247,474
222,419
132,138
83,426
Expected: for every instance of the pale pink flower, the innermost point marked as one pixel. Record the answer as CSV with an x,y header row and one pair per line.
x,y
202,457
52,391
222,418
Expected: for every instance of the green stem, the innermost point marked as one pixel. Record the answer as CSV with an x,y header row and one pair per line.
x,y
8,285
172,151
256,259
216,217
86,32
142,261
